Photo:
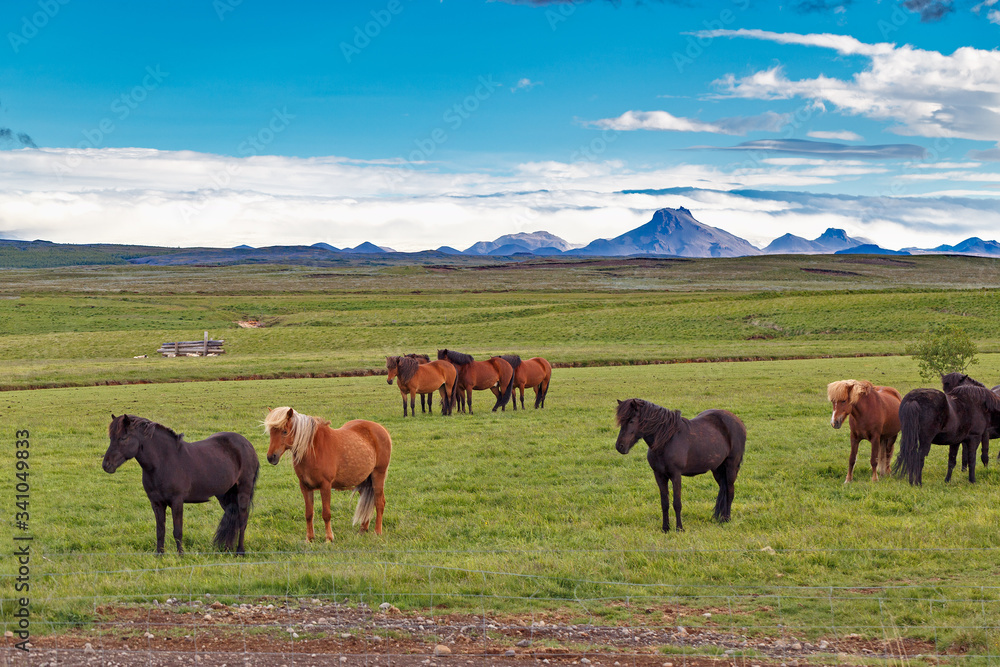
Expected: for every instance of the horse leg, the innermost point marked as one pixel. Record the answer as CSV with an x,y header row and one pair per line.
x,y
721,514
855,441
430,400
307,496
404,404
413,403
244,500
986,448
177,514
876,457
468,398
952,456
324,495
160,514
663,482
970,453
675,481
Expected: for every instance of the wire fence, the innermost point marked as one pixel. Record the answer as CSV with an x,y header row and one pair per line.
x,y
401,608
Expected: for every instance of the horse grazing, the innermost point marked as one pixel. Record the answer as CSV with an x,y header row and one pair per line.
x,y
535,372
175,472
714,440
425,399
951,380
495,374
959,417
416,378
874,416
354,456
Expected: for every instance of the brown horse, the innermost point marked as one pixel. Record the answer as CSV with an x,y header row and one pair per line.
x,y
416,378
495,374
354,456
426,400
535,373
874,416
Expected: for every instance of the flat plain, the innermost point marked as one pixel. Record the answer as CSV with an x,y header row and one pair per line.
x,y
515,511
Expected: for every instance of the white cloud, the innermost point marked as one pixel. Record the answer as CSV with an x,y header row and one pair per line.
x,y
924,93
666,122
844,135
184,198
525,84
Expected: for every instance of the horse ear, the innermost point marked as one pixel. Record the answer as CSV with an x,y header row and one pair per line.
x,y
113,416
124,421
290,414
619,401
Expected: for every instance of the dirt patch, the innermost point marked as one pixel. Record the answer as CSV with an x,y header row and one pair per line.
x,y
879,261
312,632
830,272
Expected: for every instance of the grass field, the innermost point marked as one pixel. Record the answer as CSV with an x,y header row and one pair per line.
x,y
515,510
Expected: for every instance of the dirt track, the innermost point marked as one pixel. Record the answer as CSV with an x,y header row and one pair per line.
x,y
313,632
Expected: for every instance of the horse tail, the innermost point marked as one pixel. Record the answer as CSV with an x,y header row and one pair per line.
x,y
229,524
366,502
543,387
504,398
908,460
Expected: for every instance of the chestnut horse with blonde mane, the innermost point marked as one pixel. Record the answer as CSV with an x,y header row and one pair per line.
x,y
874,416
354,456
417,378
535,373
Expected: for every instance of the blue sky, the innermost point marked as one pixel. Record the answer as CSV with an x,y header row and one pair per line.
x,y
415,124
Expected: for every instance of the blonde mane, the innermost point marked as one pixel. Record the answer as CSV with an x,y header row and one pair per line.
x,y
303,428
848,390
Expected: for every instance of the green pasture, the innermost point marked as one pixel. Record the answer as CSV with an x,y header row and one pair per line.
x,y
536,509
514,511
51,340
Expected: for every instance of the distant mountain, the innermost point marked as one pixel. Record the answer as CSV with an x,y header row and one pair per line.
x,y
830,241
367,247
448,250
672,232
326,246
528,243
243,247
869,249
970,246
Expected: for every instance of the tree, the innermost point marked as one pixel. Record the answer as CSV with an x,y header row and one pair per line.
x,y
944,350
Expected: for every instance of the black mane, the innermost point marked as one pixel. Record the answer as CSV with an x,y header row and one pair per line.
x,y
654,420
146,426
418,357
953,380
407,367
457,358
513,359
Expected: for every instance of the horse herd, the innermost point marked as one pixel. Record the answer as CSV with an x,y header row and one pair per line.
x,y
356,456
963,414
456,375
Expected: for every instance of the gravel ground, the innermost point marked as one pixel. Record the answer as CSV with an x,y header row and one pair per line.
x,y
313,632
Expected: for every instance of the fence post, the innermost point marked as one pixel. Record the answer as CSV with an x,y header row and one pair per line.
x,y
205,353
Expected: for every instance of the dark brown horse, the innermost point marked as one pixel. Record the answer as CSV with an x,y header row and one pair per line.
x,y
494,374
535,373
930,417
874,416
175,472
952,380
354,456
714,440
416,378
425,399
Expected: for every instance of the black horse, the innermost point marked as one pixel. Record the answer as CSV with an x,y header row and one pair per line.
x,y
961,416
952,380
714,440
175,472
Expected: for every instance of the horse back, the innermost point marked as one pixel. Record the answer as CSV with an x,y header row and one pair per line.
x,y
371,434
729,426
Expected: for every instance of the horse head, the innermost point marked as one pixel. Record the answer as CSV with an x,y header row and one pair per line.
x,y
627,417
392,366
951,380
124,443
279,425
844,395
